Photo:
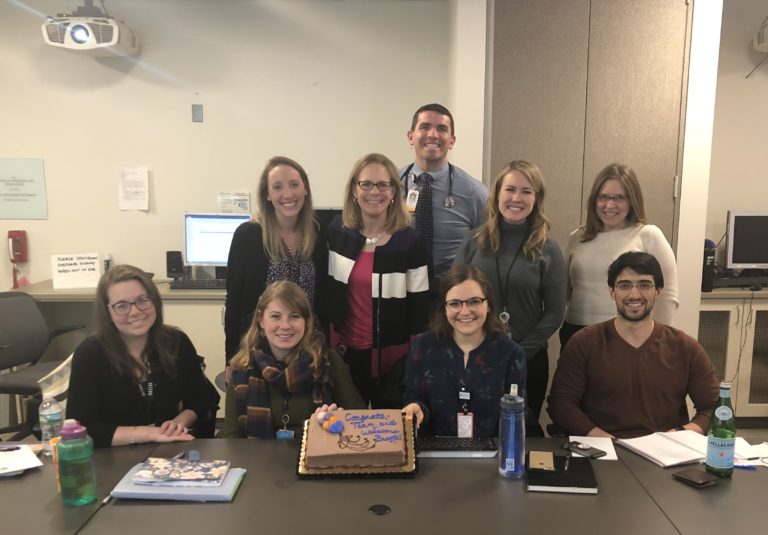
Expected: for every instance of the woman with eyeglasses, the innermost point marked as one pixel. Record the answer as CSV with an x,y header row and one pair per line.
x,y
526,270
457,371
615,224
377,281
283,370
138,380
282,243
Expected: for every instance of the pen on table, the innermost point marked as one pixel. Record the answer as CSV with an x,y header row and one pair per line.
x,y
745,467
179,455
567,462
10,448
106,500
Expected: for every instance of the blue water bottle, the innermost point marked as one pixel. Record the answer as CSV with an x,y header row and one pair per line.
x,y
512,435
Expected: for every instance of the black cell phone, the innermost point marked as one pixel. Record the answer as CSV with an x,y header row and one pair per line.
x,y
584,449
695,478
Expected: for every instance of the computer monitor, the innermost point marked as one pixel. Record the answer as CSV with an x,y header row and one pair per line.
x,y
747,242
207,237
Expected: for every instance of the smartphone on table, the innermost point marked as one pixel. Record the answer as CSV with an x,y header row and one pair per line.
x,y
584,449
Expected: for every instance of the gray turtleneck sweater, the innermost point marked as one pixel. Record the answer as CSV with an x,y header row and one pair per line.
x,y
533,290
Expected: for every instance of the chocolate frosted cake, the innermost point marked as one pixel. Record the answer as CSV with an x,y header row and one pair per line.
x,y
367,438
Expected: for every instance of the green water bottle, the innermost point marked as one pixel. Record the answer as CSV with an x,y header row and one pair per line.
x,y
76,475
721,435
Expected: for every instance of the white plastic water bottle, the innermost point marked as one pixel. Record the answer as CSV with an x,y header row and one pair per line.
x,y
51,420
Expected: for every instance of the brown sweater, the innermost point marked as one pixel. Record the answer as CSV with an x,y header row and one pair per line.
x,y
603,381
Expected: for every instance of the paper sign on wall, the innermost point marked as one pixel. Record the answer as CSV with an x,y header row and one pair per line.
x,y
81,270
134,189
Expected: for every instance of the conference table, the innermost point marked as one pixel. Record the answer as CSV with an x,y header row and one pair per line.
x,y
446,496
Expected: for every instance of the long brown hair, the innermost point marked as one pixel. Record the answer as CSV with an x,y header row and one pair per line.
x,y
163,340
397,214
626,176
295,300
305,223
488,235
453,277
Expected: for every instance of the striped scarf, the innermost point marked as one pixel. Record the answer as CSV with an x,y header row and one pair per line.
x,y
264,372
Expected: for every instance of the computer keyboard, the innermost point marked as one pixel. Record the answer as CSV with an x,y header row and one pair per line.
x,y
741,282
199,284
455,447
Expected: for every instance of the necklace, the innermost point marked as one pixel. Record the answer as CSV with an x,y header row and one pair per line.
x,y
374,240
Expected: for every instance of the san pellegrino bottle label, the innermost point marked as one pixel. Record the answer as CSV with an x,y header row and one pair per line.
x,y
720,452
724,413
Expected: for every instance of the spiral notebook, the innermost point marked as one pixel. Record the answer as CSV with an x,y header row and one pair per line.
x,y
671,448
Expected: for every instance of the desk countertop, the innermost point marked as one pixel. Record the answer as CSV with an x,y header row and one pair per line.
x,y
44,291
733,293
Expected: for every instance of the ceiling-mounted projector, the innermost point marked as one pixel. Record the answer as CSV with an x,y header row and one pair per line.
x,y
91,30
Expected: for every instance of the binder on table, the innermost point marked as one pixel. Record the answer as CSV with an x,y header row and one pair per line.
x,y
126,488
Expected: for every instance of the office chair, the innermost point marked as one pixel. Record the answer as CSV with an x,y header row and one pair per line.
x,y
24,337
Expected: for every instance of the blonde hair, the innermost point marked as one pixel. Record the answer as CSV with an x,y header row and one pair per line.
x,y
273,244
626,176
295,300
398,217
488,235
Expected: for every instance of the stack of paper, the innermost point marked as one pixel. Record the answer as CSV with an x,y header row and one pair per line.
x,y
15,458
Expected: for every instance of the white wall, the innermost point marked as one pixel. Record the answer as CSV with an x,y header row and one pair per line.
x,y
322,82
702,83
739,157
467,84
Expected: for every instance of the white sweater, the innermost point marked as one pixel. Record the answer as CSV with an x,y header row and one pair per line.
x,y
590,301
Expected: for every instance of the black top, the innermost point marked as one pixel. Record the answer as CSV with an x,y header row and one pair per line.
x,y
101,400
246,280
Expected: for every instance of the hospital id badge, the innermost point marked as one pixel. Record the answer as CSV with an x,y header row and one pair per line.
x,y
284,434
411,200
464,421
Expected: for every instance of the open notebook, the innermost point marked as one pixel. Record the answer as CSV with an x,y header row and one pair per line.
x,y
674,447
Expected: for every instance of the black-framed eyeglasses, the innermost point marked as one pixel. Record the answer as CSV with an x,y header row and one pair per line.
x,y
122,308
367,185
643,286
604,197
472,302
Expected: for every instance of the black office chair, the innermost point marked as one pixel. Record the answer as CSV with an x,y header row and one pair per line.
x,y
24,337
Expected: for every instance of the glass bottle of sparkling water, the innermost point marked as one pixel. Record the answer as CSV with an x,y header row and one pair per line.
x,y
721,435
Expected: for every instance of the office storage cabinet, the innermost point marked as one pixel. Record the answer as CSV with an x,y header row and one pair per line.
x,y
733,328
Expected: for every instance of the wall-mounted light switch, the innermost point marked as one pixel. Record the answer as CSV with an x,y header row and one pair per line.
x,y
197,113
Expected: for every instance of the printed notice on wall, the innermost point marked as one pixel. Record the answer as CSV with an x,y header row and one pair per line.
x,y
234,202
81,270
134,189
22,189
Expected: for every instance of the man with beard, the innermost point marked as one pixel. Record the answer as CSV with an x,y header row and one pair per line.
x,y
629,376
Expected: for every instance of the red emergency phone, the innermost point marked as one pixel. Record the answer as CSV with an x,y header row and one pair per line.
x,y
17,246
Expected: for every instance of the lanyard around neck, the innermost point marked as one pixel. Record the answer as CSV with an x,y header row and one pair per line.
x,y
504,315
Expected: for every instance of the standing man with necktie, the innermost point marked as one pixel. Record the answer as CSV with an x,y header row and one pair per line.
x,y
445,201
